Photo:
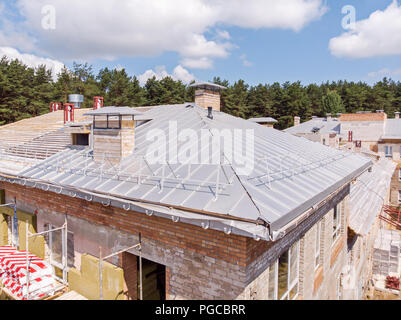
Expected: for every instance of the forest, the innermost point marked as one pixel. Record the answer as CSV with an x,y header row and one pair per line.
x,y
26,92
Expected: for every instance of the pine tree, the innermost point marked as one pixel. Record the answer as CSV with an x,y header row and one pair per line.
x,y
332,103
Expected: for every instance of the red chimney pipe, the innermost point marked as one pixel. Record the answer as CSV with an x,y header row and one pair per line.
x,y
69,112
55,106
97,103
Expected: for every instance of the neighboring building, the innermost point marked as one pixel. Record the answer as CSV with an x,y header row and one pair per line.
x,y
209,230
366,128
374,136
322,130
266,122
390,142
363,131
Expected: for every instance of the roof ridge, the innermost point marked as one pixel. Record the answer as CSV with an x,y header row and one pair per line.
x,y
231,166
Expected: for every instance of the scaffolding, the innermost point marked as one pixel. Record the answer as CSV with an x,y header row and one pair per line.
x,y
28,235
138,247
391,215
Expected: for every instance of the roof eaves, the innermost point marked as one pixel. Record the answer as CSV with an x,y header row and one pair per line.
x,y
286,219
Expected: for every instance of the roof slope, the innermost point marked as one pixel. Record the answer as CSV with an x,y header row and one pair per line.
x,y
350,117
324,126
28,129
262,120
24,142
290,174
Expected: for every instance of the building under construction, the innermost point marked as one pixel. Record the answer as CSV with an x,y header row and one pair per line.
x,y
186,229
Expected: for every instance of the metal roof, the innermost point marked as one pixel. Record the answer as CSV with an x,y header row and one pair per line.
x,y
123,111
324,126
392,129
263,120
290,175
368,196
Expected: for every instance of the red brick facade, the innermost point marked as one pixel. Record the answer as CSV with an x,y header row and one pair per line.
x,y
200,264
232,249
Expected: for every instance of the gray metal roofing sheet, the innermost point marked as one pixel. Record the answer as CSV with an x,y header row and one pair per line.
x,y
324,126
290,174
262,120
127,111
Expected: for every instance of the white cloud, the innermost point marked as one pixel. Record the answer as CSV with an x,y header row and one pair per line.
x,y
159,74
179,73
32,60
223,34
197,63
245,61
10,37
199,46
283,14
379,35
385,73
110,29
183,74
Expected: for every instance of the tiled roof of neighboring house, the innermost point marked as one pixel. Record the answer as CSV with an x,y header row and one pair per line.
x,y
350,117
263,120
368,196
321,125
392,129
290,175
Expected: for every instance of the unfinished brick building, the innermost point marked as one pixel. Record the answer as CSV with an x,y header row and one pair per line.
x,y
208,230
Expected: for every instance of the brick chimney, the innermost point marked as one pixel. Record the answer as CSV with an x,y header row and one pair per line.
x,y
397,115
113,133
297,121
207,95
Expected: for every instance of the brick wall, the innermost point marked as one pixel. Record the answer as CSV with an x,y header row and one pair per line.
x,y
206,98
201,264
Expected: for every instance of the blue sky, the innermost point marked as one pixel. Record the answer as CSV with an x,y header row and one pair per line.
x,y
260,41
